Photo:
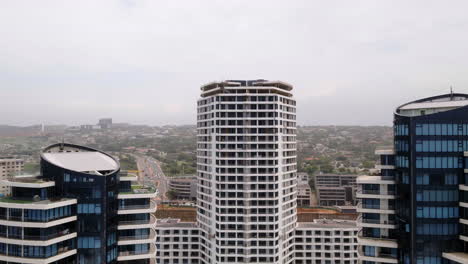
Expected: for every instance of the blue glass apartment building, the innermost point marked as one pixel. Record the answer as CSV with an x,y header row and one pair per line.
x,y
81,209
427,167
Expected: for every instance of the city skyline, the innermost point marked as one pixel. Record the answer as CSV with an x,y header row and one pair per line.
x,y
132,59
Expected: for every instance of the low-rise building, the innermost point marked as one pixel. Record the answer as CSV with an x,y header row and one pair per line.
x,y
318,241
326,241
304,195
302,178
185,187
335,189
8,167
177,242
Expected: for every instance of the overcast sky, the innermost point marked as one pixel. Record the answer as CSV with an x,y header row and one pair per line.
x,y
143,62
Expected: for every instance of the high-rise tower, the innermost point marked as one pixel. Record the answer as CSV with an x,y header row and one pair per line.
x,y
246,162
417,210
80,209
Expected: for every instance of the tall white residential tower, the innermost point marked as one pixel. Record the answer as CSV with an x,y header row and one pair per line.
x,y
246,158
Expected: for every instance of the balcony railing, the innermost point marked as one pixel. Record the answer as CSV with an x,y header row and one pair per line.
x,y
138,189
152,220
28,219
37,237
152,234
378,221
151,205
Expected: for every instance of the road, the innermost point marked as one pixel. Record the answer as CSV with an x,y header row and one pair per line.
x,y
151,173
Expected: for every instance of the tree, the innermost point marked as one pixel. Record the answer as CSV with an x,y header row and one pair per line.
x,y
171,195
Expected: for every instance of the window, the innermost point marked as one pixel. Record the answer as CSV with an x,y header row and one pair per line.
x,y
401,130
436,212
89,208
438,163
89,242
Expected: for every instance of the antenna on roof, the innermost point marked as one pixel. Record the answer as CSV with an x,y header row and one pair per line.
x,y
62,144
451,93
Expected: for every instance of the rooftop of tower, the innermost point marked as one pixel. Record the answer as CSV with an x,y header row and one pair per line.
x,y
79,158
432,105
217,87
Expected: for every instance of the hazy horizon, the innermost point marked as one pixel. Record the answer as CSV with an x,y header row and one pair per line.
x,y
142,62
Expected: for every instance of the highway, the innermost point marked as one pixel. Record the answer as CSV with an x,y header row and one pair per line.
x,y
151,173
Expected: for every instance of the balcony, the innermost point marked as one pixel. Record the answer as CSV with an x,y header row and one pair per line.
x,y
135,224
380,257
129,177
380,209
374,223
27,182
137,192
45,240
375,194
135,255
20,222
62,253
458,257
383,241
384,167
24,203
137,209
138,239
375,180
388,151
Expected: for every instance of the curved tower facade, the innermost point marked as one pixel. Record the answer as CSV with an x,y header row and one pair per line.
x,y
246,162
81,209
431,137
422,187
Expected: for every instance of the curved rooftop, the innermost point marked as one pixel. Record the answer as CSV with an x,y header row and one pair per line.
x,y
80,159
432,105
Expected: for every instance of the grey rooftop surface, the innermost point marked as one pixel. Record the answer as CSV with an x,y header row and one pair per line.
x,y
327,223
173,222
435,104
85,161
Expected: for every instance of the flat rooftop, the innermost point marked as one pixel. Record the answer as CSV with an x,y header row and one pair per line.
x,y
327,223
173,222
80,159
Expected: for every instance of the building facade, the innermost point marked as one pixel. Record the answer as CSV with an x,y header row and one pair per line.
x,y
177,242
326,241
377,222
246,165
426,172
78,210
304,195
335,189
8,167
184,187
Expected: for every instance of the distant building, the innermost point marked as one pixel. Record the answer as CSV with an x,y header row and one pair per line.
x,y
86,127
335,189
105,123
8,167
304,195
302,178
185,187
